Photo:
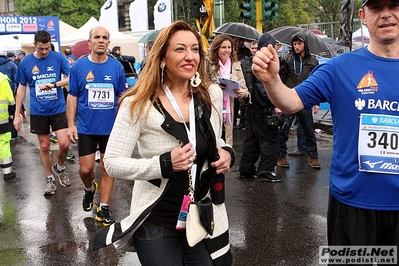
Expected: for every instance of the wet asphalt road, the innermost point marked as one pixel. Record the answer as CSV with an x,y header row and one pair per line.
x,y
270,224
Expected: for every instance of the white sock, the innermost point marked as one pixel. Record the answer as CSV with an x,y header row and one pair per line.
x,y
59,167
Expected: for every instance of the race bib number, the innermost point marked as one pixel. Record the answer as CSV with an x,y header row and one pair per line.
x,y
45,94
379,143
101,96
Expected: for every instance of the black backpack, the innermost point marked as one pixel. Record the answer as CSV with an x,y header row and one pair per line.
x,y
127,66
250,80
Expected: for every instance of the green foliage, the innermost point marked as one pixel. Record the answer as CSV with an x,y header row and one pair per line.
x,y
329,11
293,13
73,12
290,13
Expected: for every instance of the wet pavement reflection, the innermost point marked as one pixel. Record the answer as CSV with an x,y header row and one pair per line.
x,y
270,224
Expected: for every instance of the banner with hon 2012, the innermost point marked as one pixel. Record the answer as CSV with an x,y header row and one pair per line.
x,y
30,25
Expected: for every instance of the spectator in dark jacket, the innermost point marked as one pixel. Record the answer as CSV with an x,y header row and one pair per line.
x,y
117,52
295,68
127,63
262,138
9,68
11,56
148,47
21,55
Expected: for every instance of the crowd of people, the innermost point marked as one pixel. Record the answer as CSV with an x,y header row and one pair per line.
x,y
96,83
93,85
182,123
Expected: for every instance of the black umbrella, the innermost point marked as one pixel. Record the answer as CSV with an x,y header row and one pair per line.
x,y
316,45
240,30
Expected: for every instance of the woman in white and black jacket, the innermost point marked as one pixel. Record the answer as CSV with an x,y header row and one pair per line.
x,y
153,115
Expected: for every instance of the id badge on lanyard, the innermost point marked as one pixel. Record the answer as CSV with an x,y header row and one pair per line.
x,y
191,133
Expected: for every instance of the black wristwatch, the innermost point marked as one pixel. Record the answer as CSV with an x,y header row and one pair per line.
x,y
54,84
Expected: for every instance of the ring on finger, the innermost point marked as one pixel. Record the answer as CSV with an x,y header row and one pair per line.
x,y
189,165
190,160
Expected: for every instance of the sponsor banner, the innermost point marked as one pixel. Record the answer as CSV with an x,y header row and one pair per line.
x,y
109,15
162,14
30,25
138,13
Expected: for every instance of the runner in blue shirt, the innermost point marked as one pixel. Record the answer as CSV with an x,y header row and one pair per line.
x,y
43,70
361,88
95,83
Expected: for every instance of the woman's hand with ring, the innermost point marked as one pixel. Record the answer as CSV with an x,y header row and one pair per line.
x,y
180,156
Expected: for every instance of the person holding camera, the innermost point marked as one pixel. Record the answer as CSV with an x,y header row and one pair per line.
x,y
295,68
262,125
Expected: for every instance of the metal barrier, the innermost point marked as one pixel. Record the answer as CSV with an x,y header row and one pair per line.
x,y
330,32
323,116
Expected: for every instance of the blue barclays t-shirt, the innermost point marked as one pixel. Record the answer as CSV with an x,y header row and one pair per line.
x,y
97,86
362,91
34,71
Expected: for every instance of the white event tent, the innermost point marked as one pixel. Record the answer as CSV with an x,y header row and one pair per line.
x,y
360,37
66,29
363,31
127,42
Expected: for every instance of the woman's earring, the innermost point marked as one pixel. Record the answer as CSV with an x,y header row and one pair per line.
x,y
162,70
195,80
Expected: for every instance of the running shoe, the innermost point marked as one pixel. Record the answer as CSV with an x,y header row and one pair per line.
x,y
62,177
103,215
53,138
98,156
70,156
88,198
269,177
50,187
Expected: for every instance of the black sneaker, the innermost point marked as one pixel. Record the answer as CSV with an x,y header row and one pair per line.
x,y
103,215
269,177
239,127
88,198
246,175
9,175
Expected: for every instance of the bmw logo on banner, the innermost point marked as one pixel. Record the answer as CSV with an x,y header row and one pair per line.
x,y
108,4
162,14
161,7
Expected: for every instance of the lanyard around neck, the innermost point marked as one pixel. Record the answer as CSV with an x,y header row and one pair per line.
x,y
300,66
191,133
